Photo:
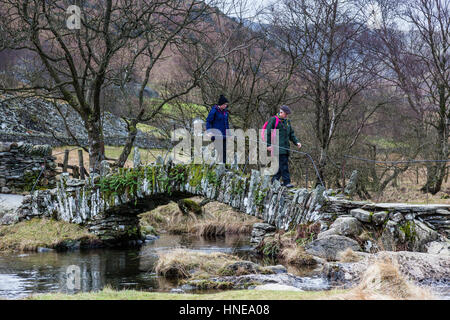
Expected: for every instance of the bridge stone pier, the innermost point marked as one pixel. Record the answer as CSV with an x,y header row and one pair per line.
x,y
108,205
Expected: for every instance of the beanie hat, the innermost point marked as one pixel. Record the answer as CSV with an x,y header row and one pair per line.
x,y
222,100
286,109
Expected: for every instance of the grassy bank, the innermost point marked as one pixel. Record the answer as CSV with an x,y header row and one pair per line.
x,y
32,234
109,294
212,219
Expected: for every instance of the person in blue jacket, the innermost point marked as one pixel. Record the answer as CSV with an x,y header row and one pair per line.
x,y
218,119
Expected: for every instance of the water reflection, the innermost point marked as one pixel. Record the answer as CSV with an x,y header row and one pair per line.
x,y
21,275
25,274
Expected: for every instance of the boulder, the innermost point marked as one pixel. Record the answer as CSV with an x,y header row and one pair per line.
x,y
416,266
259,231
347,226
6,190
361,214
286,279
351,186
264,226
439,248
242,267
397,217
390,235
422,236
277,269
326,233
328,247
8,218
9,205
74,183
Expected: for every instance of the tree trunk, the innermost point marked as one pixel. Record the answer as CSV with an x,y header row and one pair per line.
x,y
435,176
436,170
321,167
132,133
96,144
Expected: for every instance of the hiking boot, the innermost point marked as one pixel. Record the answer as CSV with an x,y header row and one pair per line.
x,y
289,185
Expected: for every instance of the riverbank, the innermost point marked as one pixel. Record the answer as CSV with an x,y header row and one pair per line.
x,y
45,234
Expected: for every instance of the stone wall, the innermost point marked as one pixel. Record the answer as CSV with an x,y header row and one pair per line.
x,y
20,165
142,141
83,202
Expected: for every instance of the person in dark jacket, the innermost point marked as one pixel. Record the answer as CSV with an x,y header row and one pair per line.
x,y
218,119
286,134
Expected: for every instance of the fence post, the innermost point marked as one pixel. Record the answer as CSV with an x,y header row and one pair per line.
x,y
75,172
417,174
66,160
81,164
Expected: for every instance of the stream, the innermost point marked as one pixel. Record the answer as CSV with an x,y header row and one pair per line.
x,y
23,274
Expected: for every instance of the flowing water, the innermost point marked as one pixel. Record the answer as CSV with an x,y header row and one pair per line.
x,y
23,274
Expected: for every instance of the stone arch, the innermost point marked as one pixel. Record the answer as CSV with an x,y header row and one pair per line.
x,y
120,224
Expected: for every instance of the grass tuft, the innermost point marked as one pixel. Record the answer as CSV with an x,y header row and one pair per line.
x,y
348,255
383,281
34,233
181,263
298,256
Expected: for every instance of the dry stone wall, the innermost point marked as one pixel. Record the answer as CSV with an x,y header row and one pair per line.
x,y
20,166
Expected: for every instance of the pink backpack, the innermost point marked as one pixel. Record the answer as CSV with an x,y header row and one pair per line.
x,y
263,132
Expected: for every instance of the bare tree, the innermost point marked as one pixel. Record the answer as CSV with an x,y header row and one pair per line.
x,y
326,41
114,39
417,57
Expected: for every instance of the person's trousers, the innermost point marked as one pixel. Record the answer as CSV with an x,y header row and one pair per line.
x,y
222,154
283,169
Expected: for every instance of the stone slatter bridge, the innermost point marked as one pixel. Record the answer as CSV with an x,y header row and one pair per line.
x,y
108,205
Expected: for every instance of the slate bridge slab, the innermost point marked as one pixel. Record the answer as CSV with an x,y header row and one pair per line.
x,y
114,215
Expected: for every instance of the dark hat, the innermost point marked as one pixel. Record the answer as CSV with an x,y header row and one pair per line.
x,y
286,109
222,100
